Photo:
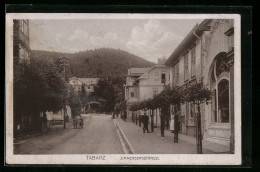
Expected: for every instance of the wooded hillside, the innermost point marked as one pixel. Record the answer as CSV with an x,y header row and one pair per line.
x,y
103,62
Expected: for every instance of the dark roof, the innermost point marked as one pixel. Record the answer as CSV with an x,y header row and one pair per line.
x,y
187,41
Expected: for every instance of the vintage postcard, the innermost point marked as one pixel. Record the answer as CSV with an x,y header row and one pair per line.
x,y
123,89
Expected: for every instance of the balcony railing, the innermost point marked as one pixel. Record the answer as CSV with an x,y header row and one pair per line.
x,y
20,36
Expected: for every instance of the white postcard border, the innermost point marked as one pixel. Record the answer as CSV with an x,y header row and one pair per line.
x,y
115,159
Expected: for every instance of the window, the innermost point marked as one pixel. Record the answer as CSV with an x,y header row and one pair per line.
x,y
223,101
88,87
24,27
132,94
156,76
177,73
173,76
163,78
193,62
186,67
192,110
214,107
220,88
155,92
187,109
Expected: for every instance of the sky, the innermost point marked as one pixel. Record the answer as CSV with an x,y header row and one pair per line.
x,y
149,39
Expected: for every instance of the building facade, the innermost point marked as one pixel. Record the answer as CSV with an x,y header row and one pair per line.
x,y
21,46
89,84
206,55
131,89
150,84
79,83
23,122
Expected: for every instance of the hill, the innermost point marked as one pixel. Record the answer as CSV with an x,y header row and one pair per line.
x,y
103,62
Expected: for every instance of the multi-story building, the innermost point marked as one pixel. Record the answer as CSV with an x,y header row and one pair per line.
x,y
206,54
76,84
87,83
131,90
23,122
152,83
21,46
144,83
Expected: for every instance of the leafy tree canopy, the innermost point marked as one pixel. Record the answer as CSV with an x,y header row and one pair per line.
x,y
41,87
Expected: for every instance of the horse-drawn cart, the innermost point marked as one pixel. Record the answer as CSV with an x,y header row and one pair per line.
x,y
78,122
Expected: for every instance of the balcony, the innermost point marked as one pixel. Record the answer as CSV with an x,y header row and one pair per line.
x,y
19,36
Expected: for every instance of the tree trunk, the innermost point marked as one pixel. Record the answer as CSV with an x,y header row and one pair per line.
x,y
152,127
162,123
139,117
176,128
64,116
136,118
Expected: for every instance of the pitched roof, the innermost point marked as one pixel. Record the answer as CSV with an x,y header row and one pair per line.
x,y
86,80
145,75
89,80
137,71
188,40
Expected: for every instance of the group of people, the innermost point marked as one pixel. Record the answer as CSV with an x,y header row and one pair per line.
x,y
78,122
174,121
114,115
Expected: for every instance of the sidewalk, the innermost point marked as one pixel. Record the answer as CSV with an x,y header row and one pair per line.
x,y
51,129
152,143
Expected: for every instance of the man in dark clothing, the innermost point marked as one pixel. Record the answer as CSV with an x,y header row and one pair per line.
x,y
145,120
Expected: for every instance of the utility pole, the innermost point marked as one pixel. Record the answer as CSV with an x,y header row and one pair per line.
x,y
64,62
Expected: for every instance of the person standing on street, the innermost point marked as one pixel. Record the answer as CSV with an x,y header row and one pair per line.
x,y
113,115
145,120
176,124
172,122
44,124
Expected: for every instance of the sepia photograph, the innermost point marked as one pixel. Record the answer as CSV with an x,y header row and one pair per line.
x,y
133,89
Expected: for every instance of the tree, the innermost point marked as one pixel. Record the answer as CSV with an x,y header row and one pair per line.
x,y
41,88
83,97
198,94
112,91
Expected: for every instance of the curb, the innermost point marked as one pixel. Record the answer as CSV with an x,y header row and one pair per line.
x,y
124,141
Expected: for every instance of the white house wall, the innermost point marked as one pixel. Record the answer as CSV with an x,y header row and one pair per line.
x,y
147,85
198,58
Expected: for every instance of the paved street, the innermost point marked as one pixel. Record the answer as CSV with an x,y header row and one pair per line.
x,y
103,135
99,136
